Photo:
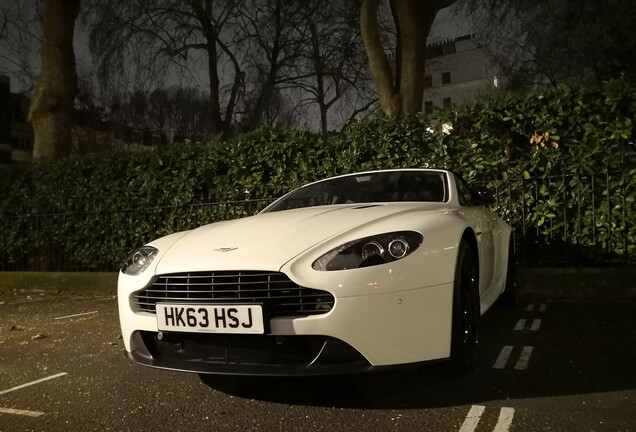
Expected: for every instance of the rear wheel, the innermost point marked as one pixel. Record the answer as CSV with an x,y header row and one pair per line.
x,y
465,308
508,298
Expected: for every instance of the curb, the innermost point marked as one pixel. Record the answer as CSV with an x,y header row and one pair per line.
x,y
56,283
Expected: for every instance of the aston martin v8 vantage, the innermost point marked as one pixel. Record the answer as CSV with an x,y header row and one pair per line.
x,y
347,274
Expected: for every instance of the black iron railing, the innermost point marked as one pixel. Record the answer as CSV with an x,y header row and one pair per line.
x,y
562,220
570,219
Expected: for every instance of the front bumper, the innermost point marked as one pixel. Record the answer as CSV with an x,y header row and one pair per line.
x,y
383,329
246,354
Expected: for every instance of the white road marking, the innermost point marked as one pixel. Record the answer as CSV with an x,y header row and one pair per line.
x,y
76,315
472,419
21,412
505,420
543,307
32,383
503,357
536,324
530,307
474,416
524,358
521,324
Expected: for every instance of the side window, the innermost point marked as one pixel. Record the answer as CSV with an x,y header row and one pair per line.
x,y
463,193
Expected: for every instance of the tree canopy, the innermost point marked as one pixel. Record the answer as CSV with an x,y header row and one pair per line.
x,y
548,42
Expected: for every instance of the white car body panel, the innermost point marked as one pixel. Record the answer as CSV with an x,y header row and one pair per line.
x,y
395,313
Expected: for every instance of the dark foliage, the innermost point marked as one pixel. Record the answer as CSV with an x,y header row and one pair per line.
x,y
540,148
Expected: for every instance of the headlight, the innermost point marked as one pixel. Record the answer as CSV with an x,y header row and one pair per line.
x,y
370,251
139,261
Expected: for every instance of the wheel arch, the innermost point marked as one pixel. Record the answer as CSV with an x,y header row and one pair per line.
x,y
471,238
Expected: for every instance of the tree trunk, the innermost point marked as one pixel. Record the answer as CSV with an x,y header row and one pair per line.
x,y
324,126
413,20
218,125
378,63
262,102
404,93
269,86
51,111
203,13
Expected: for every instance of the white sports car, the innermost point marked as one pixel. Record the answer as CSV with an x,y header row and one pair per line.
x,y
347,274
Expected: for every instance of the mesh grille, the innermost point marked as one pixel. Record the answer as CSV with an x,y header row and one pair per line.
x,y
274,290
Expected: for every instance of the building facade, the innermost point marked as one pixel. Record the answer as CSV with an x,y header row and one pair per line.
x,y
458,70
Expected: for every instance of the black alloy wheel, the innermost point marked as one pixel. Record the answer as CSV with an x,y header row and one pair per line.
x,y
465,308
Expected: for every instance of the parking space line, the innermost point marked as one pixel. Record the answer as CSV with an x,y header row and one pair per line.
x,y
530,307
502,360
21,412
536,324
521,324
505,420
76,315
472,419
32,383
26,301
543,307
474,416
524,358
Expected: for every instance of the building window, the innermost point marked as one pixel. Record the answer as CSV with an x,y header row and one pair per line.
x,y
447,103
428,81
449,49
428,107
446,79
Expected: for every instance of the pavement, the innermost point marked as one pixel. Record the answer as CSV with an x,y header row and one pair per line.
x,y
554,363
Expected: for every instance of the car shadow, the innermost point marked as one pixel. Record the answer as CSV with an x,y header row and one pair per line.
x,y
583,348
437,387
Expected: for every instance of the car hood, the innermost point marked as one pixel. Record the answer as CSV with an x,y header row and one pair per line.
x,y
269,240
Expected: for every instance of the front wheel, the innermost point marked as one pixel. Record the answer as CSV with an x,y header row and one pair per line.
x,y
465,308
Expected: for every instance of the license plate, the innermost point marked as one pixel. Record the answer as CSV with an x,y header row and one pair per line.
x,y
247,319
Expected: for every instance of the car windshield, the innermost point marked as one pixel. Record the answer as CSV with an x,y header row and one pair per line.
x,y
386,186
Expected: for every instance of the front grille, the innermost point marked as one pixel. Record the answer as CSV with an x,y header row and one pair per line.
x,y
274,290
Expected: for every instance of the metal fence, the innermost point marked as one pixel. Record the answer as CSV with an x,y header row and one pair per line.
x,y
566,220
101,240
570,219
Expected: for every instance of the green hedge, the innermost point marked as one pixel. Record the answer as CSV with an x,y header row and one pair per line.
x,y
94,209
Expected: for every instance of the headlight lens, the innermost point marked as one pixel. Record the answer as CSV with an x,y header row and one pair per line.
x,y
139,261
370,251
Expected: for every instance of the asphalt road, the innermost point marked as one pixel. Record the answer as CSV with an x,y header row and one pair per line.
x,y
568,367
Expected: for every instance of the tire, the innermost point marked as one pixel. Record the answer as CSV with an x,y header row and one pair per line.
x,y
466,311
508,299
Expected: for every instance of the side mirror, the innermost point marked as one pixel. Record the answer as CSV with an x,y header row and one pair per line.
x,y
481,195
